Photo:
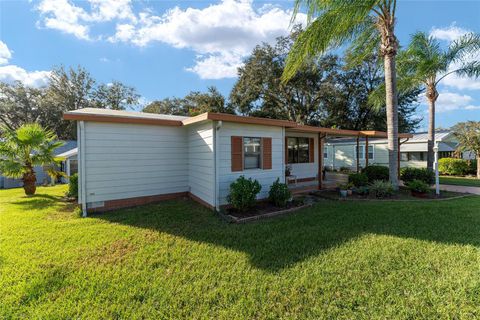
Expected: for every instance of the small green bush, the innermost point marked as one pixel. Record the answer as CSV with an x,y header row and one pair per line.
x,y
381,189
358,179
376,173
363,190
453,166
73,186
472,166
243,193
423,174
418,186
279,194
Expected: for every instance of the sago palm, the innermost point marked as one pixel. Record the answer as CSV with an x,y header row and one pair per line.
x,y
425,64
23,149
332,23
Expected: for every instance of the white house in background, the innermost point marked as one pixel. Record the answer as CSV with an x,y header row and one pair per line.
x,y
131,158
340,152
70,163
42,176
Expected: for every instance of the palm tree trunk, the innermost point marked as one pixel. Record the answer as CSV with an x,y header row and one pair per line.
x,y
392,117
29,182
431,133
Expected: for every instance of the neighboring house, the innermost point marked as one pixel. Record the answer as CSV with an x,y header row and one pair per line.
x,y
130,158
340,152
42,176
70,163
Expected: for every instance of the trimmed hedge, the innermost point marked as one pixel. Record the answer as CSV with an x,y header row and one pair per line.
x,y
423,174
279,194
376,173
358,179
243,193
453,166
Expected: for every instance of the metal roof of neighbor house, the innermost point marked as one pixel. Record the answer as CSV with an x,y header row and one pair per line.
x,y
69,145
419,137
105,115
69,153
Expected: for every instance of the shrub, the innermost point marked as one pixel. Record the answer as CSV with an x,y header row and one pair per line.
x,y
358,179
344,170
279,194
418,186
423,174
472,166
453,166
381,189
243,193
376,173
73,186
363,190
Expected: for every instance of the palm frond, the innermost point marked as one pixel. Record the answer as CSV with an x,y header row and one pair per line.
x,y
10,168
340,21
463,47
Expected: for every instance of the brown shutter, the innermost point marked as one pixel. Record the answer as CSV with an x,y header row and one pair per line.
x,y
267,153
286,150
237,153
311,149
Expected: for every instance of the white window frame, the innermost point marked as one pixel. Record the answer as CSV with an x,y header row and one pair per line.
x,y
260,167
362,152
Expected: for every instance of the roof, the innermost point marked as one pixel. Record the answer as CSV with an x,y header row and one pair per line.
x,y
105,115
69,153
420,137
69,145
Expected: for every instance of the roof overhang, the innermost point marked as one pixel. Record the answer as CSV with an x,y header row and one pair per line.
x,y
101,115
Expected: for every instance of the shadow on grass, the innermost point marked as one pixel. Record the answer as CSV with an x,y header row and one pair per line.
x,y
280,242
36,201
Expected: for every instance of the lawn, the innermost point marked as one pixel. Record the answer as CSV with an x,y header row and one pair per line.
x,y
338,259
460,181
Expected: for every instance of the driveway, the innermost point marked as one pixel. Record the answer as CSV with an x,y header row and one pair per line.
x,y
447,187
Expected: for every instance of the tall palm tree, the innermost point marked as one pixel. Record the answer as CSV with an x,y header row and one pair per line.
x,y
425,64
331,23
23,149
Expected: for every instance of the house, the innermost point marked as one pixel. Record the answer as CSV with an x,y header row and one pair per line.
x,y
130,158
42,176
341,152
69,163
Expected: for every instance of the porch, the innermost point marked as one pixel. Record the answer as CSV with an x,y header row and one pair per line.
x,y
304,156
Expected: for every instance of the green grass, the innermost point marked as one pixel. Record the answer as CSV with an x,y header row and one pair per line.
x,y
460,181
336,260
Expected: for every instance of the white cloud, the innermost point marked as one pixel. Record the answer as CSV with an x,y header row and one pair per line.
x,y
12,73
64,16
450,33
450,101
221,34
5,53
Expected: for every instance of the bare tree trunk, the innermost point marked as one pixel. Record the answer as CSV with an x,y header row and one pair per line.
x,y
392,117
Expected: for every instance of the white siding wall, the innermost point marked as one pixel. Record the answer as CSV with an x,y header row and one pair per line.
x,y
130,160
201,175
265,177
305,170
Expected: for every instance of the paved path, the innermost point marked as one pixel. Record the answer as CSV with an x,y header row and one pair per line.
x,y
447,187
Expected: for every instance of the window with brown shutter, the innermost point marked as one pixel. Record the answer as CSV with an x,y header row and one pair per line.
x,y
237,153
311,143
267,153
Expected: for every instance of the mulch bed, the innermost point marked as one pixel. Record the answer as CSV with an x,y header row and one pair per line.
x,y
403,194
262,208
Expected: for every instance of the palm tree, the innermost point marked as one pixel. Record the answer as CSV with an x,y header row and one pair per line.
x,y
468,135
425,64
23,149
331,23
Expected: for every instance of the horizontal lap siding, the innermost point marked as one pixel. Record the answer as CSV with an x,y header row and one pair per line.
x,y
265,177
130,160
305,170
201,161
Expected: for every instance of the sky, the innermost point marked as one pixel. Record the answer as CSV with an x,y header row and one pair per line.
x,y
169,48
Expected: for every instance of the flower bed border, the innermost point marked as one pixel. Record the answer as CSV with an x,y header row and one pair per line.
x,y
234,219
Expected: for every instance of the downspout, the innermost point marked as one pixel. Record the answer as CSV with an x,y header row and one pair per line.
x,y
283,156
81,154
216,125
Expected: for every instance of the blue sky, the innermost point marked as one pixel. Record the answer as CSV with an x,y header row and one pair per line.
x,y
168,48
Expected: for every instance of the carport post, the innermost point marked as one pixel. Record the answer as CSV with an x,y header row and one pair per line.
x,y
357,152
366,151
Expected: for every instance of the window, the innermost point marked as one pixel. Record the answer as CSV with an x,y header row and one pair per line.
x,y
252,153
298,150
361,152
325,153
403,156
